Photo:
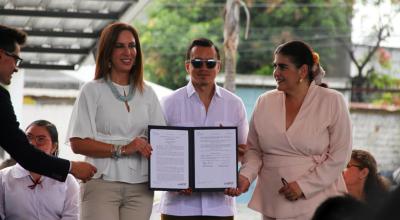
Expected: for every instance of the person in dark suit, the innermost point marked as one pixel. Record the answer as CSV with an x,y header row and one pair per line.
x,y
12,139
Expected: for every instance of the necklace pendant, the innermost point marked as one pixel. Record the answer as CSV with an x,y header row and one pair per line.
x,y
126,103
127,106
117,95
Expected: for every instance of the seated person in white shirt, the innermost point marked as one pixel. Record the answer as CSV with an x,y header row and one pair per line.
x,y
202,103
28,195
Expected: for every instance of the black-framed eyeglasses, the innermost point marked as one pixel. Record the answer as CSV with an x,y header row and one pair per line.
x,y
18,60
198,63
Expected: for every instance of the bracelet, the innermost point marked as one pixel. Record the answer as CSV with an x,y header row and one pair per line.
x,y
119,153
115,151
123,150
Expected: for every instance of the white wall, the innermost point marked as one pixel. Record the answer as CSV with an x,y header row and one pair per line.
x,y
16,89
379,133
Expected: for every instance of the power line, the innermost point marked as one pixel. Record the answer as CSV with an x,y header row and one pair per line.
x,y
258,5
247,50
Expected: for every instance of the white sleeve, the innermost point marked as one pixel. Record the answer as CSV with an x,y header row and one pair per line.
x,y
2,202
82,122
71,202
252,160
243,125
156,115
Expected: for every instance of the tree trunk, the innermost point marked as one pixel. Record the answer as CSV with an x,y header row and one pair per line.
x,y
231,41
357,88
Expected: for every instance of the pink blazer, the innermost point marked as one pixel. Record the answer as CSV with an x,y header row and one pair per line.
x,y
313,151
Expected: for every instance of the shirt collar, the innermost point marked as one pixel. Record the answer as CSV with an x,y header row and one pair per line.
x,y
312,87
218,90
190,90
19,171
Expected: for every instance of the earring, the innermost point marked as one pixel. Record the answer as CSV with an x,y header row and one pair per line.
x,y
300,80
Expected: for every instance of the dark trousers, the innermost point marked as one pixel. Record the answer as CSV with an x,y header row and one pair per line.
x,y
173,217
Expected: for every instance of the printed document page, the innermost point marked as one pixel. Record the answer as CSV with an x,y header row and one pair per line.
x,y
215,158
169,160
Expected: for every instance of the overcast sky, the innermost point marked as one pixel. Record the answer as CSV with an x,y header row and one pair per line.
x,y
367,16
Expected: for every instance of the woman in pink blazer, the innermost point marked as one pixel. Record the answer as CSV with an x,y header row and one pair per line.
x,y
299,140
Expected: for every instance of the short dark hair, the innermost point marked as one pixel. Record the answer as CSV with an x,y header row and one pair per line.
x,y
51,129
202,42
341,207
9,36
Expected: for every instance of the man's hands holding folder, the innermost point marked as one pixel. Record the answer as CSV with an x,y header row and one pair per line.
x,y
243,186
186,192
243,183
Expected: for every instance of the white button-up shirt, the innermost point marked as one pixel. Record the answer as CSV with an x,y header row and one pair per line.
x,y
184,108
50,200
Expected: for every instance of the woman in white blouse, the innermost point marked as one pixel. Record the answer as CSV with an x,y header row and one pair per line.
x,y
28,195
109,126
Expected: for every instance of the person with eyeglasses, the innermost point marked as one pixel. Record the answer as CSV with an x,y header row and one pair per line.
x,y
28,195
18,60
362,179
202,103
109,124
12,139
299,132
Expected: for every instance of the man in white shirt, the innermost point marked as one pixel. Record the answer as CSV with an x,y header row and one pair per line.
x,y
202,103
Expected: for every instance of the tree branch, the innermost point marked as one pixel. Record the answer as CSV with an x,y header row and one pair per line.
x,y
371,52
350,52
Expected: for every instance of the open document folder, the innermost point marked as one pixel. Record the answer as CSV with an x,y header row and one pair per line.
x,y
201,158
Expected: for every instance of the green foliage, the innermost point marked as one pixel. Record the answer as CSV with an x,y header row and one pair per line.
x,y
172,24
265,70
383,81
388,98
167,33
317,22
